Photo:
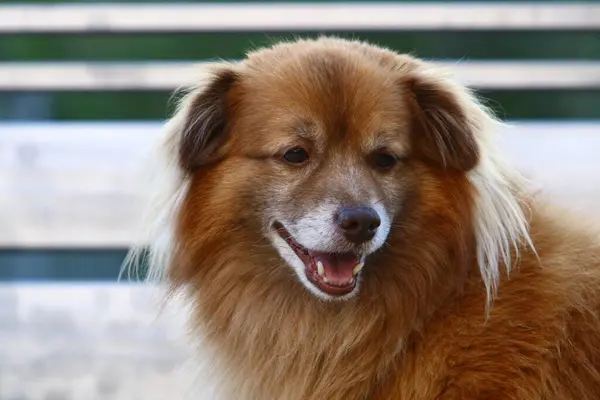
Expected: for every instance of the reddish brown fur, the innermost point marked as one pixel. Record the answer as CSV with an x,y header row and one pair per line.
x,y
418,329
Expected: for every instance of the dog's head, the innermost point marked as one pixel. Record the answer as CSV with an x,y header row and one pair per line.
x,y
311,156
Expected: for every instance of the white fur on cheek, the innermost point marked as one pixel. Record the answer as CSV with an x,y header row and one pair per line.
x,y
383,230
316,229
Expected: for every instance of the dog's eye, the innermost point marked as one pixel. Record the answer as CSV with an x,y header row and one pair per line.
x,y
384,160
297,155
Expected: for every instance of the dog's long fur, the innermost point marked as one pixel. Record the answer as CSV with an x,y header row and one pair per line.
x,y
480,291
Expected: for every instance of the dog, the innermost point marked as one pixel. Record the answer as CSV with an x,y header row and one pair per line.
x,y
343,227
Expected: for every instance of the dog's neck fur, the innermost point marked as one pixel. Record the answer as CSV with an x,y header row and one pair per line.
x,y
268,332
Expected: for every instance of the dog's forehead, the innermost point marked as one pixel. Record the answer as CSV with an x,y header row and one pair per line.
x,y
331,96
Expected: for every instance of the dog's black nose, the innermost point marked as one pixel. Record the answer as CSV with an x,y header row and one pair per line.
x,y
358,224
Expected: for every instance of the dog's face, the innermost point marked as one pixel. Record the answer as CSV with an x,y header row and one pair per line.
x,y
319,149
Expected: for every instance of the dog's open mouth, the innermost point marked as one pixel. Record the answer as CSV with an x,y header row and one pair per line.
x,y
335,274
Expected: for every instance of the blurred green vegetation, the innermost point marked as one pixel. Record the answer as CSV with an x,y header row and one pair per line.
x,y
68,265
544,45
523,104
63,265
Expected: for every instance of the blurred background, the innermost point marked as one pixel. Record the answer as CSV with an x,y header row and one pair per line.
x,y
85,88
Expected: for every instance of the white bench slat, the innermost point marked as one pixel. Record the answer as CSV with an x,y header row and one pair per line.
x,y
178,17
77,184
91,341
109,76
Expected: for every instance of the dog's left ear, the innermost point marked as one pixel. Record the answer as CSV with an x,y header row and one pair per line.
x,y
203,120
444,132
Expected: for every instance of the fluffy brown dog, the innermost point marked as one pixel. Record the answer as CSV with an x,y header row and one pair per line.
x,y
341,223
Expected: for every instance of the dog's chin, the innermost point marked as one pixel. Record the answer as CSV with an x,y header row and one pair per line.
x,y
330,276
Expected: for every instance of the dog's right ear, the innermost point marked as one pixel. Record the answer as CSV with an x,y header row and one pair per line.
x,y
205,120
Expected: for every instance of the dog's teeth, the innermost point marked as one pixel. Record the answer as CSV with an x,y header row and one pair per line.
x,y
357,268
321,269
351,281
325,279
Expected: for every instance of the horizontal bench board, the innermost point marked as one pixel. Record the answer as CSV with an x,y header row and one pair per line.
x,y
93,18
91,341
75,185
107,76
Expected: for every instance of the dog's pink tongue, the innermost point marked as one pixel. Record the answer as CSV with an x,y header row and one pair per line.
x,y
338,267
